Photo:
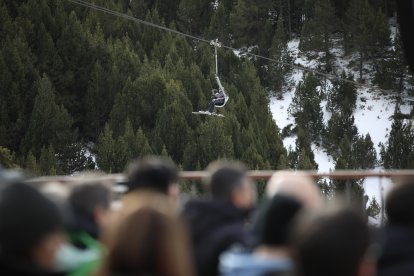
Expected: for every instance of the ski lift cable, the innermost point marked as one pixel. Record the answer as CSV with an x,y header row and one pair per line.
x,y
216,44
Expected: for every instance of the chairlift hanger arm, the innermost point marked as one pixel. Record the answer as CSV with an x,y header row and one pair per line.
x,y
219,83
216,44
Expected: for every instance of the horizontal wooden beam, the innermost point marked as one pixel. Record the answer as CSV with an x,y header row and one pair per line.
x,y
255,174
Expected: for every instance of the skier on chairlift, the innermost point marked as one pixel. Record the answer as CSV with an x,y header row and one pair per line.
x,y
218,98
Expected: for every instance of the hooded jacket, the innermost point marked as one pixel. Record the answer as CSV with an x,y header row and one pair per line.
x,y
14,266
214,227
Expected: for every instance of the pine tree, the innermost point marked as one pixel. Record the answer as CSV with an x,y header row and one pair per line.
x,y
353,190
390,72
7,158
47,161
30,164
97,101
340,125
397,152
219,25
374,208
279,72
302,158
247,19
368,30
343,95
306,109
194,15
212,143
105,150
50,124
143,146
316,32
364,152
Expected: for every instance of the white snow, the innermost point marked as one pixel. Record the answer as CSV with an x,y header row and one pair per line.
x,y
372,113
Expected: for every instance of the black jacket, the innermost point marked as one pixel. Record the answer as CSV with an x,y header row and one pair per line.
x,y
11,266
214,226
398,252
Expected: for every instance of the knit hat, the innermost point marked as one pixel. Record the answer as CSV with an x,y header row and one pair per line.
x,y
26,216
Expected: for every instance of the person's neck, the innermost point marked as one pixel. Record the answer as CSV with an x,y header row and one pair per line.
x,y
272,252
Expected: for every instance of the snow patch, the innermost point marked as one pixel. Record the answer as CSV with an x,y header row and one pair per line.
x,y
372,114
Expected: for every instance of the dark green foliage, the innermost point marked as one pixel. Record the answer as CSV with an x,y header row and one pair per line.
x,y
30,164
47,161
77,82
194,15
342,96
50,124
341,125
302,158
279,73
220,25
352,190
306,109
7,158
398,151
391,72
317,31
374,208
368,31
247,19
364,152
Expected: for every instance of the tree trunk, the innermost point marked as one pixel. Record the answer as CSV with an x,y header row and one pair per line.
x,y
289,20
360,65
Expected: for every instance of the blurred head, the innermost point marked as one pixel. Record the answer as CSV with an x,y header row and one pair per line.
x,y
154,173
147,239
399,204
90,202
275,221
296,185
333,242
58,193
30,226
214,91
228,181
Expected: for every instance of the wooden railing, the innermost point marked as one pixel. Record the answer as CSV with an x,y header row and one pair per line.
x,y
256,175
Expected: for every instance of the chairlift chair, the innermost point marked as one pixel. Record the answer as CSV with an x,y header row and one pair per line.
x,y
216,44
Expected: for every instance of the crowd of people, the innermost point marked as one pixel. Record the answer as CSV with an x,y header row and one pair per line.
x,y
84,228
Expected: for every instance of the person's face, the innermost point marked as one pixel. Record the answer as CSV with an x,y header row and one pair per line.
x,y
245,196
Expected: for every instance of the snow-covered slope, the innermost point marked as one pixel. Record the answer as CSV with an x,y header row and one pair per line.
x,y
372,114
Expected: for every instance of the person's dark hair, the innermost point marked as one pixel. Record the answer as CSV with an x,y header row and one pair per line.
x,y
275,219
148,242
331,243
84,198
225,177
399,204
155,173
26,217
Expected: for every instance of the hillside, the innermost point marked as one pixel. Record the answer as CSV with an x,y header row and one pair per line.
x,y
85,89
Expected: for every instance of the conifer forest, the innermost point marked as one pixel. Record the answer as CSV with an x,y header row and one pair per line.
x,y
82,89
